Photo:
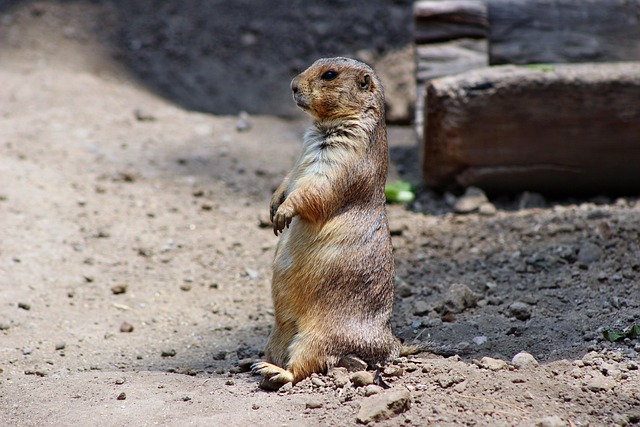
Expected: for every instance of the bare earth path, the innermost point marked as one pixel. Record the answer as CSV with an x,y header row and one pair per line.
x,y
135,269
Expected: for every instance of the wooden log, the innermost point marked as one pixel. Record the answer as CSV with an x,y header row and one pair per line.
x,y
443,59
571,128
560,31
438,21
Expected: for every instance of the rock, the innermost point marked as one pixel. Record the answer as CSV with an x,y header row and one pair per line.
x,y
361,378
119,289
120,381
599,384
24,306
372,389
524,360
313,404
459,297
122,396
403,289
479,340
530,200
286,388
492,364
393,371
384,406
470,201
318,382
551,421
269,385
253,274
168,353
60,346
340,376
243,123
127,327
27,351
143,116
520,310
352,363
487,209
420,308
589,253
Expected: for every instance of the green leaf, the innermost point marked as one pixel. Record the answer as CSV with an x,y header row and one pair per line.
x,y
545,68
399,192
632,332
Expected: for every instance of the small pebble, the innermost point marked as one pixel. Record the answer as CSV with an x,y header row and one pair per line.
x,y
168,353
524,360
493,364
589,253
552,421
372,389
122,396
119,289
60,346
384,405
470,201
520,310
127,327
313,404
120,381
361,378
24,306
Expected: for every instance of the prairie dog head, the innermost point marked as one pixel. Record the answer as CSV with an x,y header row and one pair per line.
x,y
339,88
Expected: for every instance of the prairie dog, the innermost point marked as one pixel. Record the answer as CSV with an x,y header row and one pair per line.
x,y
333,270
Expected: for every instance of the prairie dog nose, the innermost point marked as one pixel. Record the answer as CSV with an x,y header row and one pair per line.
x,y
294,85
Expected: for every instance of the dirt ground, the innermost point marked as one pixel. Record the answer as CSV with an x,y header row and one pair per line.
x,y
135,269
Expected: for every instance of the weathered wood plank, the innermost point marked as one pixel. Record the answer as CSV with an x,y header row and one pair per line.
x,y
443,59
563,129
437,21
560,31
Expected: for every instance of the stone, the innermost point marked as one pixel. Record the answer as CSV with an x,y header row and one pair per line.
x,y
589,253
520,310
361,378
126,327
459,297
340,376
524,360
487,209
403,289
372,389
599,384
551,421
420,308
313,404
352,363
384,406
168,353
470,201
492,364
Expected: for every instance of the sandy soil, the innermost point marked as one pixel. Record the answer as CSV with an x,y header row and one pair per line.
x,y
135,269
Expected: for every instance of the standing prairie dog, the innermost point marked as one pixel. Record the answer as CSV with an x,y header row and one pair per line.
x,y
333,271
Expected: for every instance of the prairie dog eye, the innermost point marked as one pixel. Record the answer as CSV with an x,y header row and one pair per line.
x,y
329,75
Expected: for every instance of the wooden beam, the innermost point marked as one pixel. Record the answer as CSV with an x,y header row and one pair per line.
x,y
562,129
438,21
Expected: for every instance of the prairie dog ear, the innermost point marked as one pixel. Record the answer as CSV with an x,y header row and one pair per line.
x,y
364,82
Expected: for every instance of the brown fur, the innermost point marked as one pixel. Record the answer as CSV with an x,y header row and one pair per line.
x,y
333,269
